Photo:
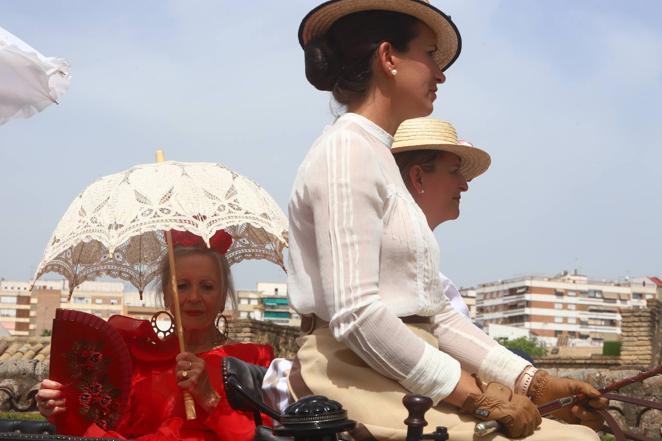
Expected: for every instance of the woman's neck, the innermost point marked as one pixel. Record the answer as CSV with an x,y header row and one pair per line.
x,y
378,109
201,340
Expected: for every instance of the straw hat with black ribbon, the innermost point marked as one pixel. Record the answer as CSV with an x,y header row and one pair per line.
x,y
318,21
433,134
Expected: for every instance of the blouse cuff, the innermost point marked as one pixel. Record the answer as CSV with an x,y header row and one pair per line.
x,y
435,375
502,366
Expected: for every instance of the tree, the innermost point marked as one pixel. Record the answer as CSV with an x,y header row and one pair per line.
x,y
46,333
530,345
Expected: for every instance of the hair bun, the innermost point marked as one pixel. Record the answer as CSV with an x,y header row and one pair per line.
x,y
322,66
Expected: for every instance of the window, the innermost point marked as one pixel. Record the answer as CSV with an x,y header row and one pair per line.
x,y
635,296
7,313
8,299
80,300
98,301
558,319
572,306
558,306
113,301
572,320
595,293
571,294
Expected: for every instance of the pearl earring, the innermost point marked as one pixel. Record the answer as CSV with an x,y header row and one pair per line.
x,y
422,191
394,72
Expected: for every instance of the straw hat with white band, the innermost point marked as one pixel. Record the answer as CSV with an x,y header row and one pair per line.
x,y
433,134
318,21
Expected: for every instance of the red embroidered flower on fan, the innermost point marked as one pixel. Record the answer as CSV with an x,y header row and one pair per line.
x,y
86,360
98,403
105,401
85,399
96,388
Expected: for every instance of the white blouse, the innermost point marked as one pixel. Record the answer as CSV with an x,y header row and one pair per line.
x,y
361,255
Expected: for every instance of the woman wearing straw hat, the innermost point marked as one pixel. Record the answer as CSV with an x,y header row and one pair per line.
x,y
430,157
363,261
436,168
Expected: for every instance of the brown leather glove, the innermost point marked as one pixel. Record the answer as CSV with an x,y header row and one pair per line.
x,y
518,416
545,388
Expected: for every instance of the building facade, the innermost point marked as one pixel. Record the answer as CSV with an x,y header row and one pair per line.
x,y
269,303
30,313
583,311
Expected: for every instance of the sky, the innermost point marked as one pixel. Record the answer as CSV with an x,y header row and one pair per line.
x,y
565,96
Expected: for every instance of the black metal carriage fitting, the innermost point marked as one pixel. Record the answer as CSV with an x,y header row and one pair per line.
x,y
314,418
417,405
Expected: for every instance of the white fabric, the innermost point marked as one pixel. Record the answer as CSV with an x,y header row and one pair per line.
x,y
477,352
115,226
452,294
28,81
362,254
275,391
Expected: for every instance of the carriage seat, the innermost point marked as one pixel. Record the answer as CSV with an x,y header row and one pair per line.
x,y
243,389
26,426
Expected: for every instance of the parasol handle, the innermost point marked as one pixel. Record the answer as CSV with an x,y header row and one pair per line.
x,y
189,404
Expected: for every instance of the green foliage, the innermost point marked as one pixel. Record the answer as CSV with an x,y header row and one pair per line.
x,y
46,333
611,348
33,416
530,345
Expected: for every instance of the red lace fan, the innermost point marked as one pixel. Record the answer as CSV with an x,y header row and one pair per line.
x,y
92,361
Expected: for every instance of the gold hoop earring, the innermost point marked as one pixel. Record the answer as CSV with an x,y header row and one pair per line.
x,y
222,331
162,333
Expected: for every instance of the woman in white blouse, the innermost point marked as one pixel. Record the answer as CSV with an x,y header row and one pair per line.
x,y
363,262
436,168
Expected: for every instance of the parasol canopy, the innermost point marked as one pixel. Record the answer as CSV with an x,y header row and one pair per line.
x,y
116,226
29,81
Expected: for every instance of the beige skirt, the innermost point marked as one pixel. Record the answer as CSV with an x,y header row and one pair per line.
x,y
324,366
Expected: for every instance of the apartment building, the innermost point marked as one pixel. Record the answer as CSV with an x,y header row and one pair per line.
x,y
276,304
267,302
469,297
141,308
584,311
17,305
24,312
249,305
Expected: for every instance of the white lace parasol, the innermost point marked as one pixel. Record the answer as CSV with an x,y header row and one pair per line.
x,y
115,226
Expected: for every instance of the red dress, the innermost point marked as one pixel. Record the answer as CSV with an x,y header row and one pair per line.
x,y
156,406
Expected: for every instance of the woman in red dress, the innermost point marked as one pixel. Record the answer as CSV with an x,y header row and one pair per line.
x,y
160,373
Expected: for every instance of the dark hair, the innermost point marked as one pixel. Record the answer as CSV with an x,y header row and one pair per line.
x,y
340,61
423,158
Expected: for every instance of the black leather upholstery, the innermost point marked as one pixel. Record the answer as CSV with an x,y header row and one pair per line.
x,y
243,389
14,436
26,426
249,376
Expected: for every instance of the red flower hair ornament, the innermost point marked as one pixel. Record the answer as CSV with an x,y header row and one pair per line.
x,y
219,242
